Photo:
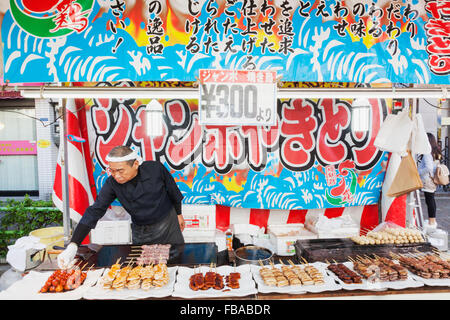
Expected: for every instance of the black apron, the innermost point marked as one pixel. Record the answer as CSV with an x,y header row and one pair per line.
x,y
166,231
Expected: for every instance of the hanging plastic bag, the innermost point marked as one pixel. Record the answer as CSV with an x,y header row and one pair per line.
x,y
395,133
419,140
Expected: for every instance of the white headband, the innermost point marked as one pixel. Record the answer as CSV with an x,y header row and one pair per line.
x,y
131,156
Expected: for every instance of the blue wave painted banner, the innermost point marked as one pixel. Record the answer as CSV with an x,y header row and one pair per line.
x,y
157,40
310,159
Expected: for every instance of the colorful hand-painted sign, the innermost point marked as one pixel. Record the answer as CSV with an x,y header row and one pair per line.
x,y
51,18
310,159
164,40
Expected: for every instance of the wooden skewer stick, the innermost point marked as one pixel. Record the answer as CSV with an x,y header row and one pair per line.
x,y
393,255
130,262
306,262
134,254
271,264
84,266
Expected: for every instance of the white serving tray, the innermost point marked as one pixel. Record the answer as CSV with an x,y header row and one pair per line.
x,y
97,291
247,285
329,285
29,286
431,282
377,286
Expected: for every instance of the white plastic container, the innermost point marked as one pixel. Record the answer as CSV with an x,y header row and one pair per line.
x,y
198,235
283,237
200,223
438,238
112,232
339,227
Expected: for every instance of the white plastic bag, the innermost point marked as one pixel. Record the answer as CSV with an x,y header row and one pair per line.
x,y
419,141
17,253
395,133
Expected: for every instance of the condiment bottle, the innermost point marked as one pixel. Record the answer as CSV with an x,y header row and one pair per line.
x,y
229,239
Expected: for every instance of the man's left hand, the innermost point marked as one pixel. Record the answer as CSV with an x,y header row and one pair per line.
x,y
181,222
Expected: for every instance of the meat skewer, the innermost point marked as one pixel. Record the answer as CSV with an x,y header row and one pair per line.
x,y
425,265
345,274
64,280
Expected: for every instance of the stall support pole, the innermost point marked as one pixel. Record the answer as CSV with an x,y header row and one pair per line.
x,y
65,176
414,208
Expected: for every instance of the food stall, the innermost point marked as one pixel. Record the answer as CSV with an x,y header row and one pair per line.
x,y
261,130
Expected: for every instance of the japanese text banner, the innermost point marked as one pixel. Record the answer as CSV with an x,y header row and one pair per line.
x,y
310,159
157,40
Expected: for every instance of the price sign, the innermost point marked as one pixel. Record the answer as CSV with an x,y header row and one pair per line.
x,y
237,97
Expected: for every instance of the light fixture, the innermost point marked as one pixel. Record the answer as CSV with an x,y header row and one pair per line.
x,y
360,115
2,126
154,116
47,92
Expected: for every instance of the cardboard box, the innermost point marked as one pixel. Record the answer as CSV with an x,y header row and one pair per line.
x,y
283,237
199,217
112,232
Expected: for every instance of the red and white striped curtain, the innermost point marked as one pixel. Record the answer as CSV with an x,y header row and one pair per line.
x,y
82,190
367,216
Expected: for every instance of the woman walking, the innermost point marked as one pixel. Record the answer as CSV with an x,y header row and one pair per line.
x,y
427,170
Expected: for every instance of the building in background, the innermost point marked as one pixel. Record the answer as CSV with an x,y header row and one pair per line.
x,y
28,148
436,118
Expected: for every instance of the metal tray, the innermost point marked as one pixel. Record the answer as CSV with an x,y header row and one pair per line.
x,y
253,255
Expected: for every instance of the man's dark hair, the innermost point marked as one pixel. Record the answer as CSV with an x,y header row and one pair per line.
x,y
121,151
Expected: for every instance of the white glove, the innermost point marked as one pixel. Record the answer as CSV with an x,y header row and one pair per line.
x,y
66,259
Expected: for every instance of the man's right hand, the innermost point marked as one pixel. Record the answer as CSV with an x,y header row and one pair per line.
x,y
66,259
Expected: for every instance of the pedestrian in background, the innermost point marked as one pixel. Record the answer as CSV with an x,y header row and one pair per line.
x,y
427,170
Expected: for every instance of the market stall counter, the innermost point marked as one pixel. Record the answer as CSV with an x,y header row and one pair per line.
x,y
199,271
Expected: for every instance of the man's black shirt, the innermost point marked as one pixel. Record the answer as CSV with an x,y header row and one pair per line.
x,y
148,198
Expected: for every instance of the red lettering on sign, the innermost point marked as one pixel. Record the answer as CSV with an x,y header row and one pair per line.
x,y
176,113
219,150
439,65
118,137
180,151
438,45
184,141
101,120
437,31
297,126
336,118
438,27
254,146
438,9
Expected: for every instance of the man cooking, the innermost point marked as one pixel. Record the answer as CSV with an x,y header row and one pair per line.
x,y
148,193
